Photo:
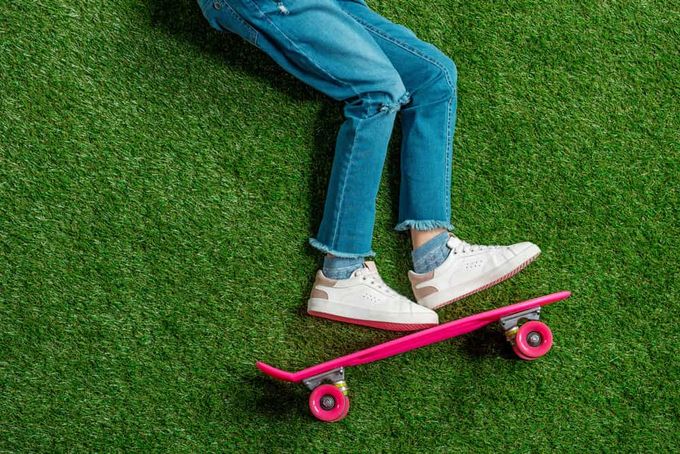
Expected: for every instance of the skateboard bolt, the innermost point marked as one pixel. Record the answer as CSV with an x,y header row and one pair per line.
x,y
534,339
327,402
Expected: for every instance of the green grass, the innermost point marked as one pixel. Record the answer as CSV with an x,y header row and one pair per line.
x,y
151,170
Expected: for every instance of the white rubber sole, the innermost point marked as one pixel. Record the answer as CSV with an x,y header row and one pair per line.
x,y
320,307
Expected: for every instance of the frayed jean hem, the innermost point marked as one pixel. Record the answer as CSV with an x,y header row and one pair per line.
x,y
323,248
423,225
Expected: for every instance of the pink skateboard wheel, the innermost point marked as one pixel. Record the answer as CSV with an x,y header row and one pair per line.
x,y
520,355
533,340
328,403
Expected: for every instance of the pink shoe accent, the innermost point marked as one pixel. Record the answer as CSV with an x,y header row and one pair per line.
x,y
490,284
328,394
522,341
373,324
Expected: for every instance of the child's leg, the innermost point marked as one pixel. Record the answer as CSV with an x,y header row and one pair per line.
x,y
445,268
320,44
428,121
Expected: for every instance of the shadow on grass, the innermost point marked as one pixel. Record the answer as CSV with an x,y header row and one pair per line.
x,y
275,399
487,342
183,21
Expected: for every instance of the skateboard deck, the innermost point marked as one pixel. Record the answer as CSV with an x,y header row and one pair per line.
x,y
530,339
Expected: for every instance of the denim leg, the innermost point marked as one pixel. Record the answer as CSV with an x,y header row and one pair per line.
x,y
361,147
428,122
319,43
341,267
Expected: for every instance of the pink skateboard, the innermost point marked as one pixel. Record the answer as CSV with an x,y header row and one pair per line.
x,y
328,402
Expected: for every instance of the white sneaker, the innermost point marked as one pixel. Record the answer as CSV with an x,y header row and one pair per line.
x,y
365,299
468,269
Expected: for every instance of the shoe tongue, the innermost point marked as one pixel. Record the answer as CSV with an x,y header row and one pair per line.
x,y
370,265
453,242
366,269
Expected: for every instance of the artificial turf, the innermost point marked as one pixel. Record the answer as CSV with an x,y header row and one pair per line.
x,y
159,182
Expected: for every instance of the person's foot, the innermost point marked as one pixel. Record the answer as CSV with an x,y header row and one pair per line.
x,y
365,299
468,269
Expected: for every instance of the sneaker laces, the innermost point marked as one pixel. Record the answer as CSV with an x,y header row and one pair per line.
x,y
375,280
461,246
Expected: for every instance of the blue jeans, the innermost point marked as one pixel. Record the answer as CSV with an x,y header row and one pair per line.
x,y
377,68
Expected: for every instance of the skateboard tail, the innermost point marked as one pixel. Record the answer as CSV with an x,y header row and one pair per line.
x,y
276,373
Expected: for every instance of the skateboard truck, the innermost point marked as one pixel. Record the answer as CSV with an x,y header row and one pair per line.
x,y
510,324
530,340
336,376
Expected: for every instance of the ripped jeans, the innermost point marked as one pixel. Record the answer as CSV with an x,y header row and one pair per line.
x,y
377,68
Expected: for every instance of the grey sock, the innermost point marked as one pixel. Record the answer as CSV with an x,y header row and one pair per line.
x,y
341,267
431,254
